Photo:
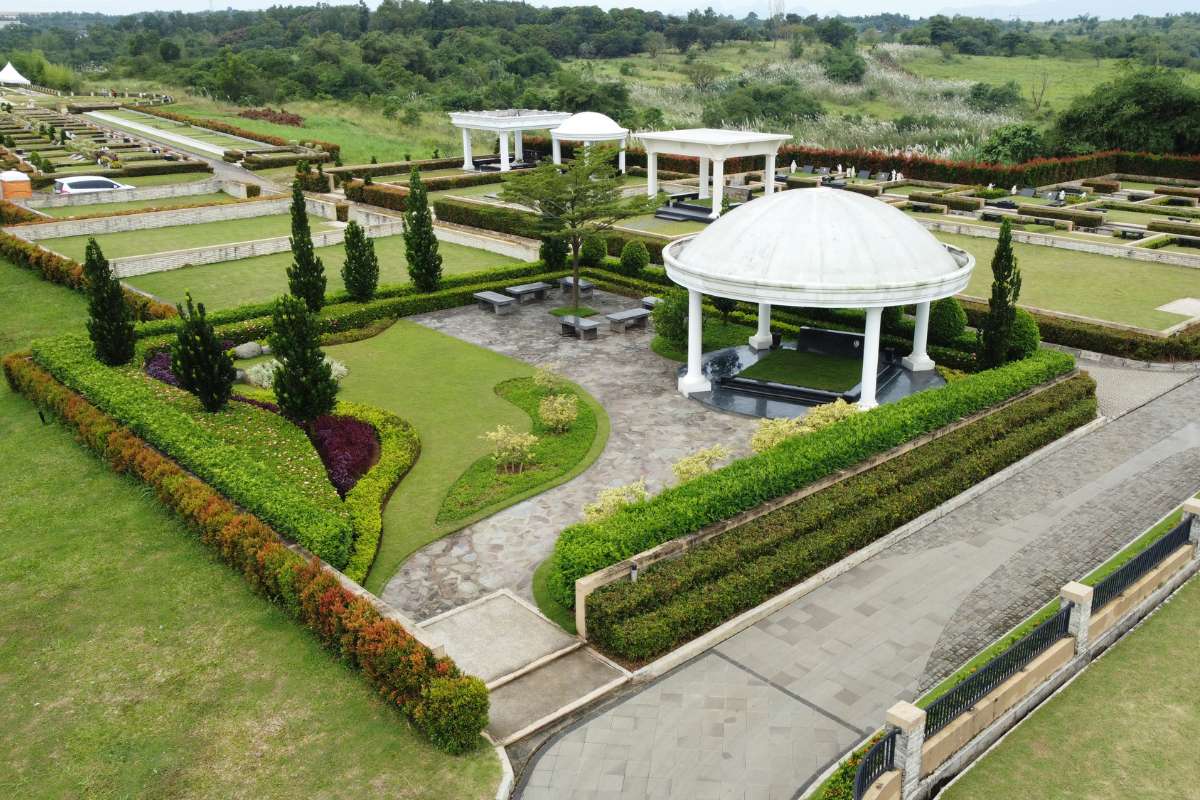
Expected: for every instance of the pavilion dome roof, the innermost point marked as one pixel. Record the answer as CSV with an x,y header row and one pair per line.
x,y
819,247
589,125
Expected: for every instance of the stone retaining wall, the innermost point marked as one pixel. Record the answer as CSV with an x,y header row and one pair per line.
x,y
511,246
210,186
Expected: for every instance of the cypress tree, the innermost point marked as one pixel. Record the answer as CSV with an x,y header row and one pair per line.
x,y
303,382
420,245
360,271
306,275
996,330
110,324
198,360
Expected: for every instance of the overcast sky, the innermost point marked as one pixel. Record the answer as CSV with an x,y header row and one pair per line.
x,y
1026,9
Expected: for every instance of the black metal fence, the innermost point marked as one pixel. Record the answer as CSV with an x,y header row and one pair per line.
x,y
946,708
878,760
1105,591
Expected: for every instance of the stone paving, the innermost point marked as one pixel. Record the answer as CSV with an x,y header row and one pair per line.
x,y
764,713
653,426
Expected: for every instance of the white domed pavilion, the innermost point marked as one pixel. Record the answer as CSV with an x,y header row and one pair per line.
x,y
588,127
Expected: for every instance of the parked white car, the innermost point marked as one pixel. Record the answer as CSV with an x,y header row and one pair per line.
x,y
85,184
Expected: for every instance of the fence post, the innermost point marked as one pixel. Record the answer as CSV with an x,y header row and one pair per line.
x,y
910,721
1080,597
1191,510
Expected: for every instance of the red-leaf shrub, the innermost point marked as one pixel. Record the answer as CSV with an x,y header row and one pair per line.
x,y
269,114
348,447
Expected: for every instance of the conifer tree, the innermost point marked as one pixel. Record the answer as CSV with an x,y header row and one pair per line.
x,y
303,381
110,324
306,275
420,245
360,271
996,329
198,360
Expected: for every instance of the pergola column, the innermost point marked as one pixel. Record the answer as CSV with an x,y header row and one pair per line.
x,y
651,174
621,158
918,360
703,177
761,340
467,163
769,175
718,186
693,380
870,362
504,165
519,143
555,150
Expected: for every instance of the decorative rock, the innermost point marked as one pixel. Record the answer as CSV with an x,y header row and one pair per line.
x,y
248,350
240,376
266,349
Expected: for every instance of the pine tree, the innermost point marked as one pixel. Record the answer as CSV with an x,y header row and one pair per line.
x,y
198,360
420,245
360,271
306,275
110,324
996,329
303,382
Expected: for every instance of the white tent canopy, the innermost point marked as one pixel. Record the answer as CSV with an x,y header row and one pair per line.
x,y
9,75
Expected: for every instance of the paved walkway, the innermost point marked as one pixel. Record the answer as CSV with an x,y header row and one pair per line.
x,y
653,426
765,712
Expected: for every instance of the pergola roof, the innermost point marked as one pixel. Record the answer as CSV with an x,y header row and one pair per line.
x,y
712,142
589,126
508,119
819,247
10,75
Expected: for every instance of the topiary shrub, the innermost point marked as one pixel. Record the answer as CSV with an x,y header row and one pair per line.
x,y
593,252
452,712
947,321
1025,336
670,317
634,258
553,252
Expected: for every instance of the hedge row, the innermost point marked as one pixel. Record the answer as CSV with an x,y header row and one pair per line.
x,y
321,527
40,181
1155,208
958,202
675,601
749,482
390,168
1081,217
332,148
1181,228
449,707
385,195
150,210
13,214
1179,191
286,159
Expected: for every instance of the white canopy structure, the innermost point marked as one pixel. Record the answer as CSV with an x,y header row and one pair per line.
x,y
589,127
9,76
502,122
823,248
715,145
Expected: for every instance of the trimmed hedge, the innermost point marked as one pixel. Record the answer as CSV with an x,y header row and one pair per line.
x,y
1155,208
449,707
40,181
1082,217
13,214
1179,191
1102,185
675,601
390,168
749,482
332,148
959,202
385,195
1168,226
283,159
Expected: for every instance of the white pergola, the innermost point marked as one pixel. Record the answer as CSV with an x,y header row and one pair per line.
x,y
589,127
711,145
817,248
503,122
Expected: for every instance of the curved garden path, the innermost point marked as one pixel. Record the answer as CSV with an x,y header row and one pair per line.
x,y
653,426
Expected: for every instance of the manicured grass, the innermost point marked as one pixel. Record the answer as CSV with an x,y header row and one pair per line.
x,y
99,209
181,237
555,455
563,616
717,336
574,311
1124,729
666,227
1190,249
252,280
1101,287
813,370
167,180
136,665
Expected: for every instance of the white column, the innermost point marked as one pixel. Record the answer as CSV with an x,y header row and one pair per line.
x,y
467,163
621,159
703,177
870,360
555,150
504,165
769,175
918,360
693,380
761,340
718,186
1080,619
651,174
519,146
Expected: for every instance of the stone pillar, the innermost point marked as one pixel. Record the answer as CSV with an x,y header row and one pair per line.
x,y
918,360
651,174
1081,612
769,175
621,158
519,147
703,177
1191,510
910,722
761,340
870,365
555,151
693,380
467,163
504,165
718,186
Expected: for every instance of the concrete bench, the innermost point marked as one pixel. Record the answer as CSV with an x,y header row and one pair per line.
x,y
567,283
630,318
650,301
579,327
535,291
494,301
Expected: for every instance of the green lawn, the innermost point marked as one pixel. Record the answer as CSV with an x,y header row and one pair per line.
x,y
1101,287
251,280
666,227
99,209
165,180
135,665
1124,729
182,237
813,370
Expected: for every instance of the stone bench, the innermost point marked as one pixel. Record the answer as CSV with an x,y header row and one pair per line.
x,y
630,318
494,301
650,301
568,283
536,291
578,327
